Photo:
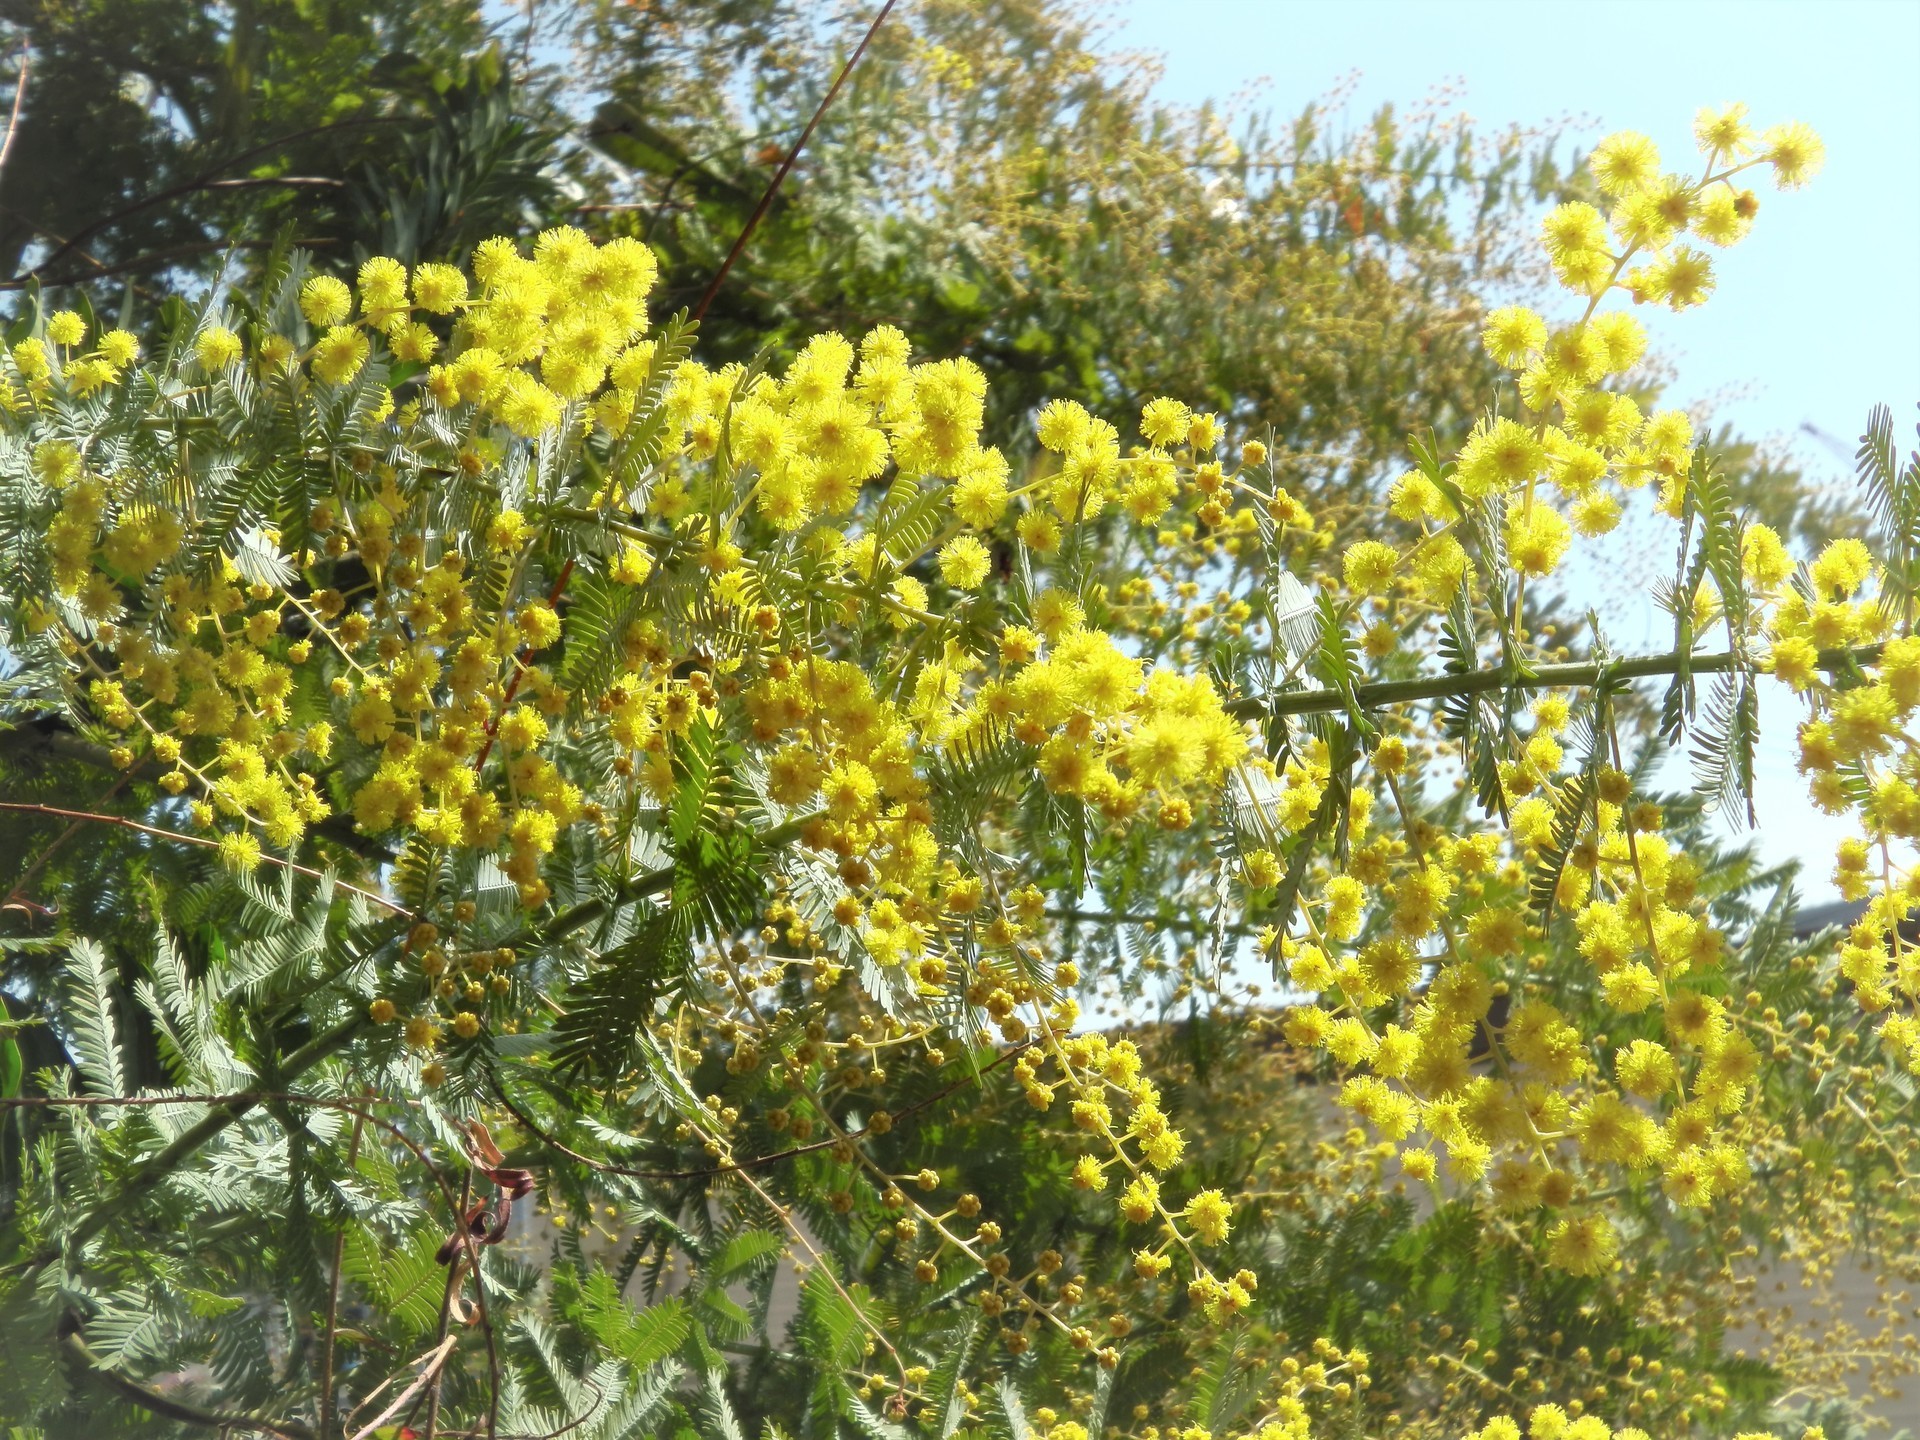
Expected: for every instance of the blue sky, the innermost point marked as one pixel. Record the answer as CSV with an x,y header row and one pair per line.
x,y
1817,315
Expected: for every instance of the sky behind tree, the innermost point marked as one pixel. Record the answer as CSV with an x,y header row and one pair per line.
x,y
1817,314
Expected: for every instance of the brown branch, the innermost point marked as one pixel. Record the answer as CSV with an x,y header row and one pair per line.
x,y
432,1396
780,175
1570,675
201,181
165,1405
19,892
83,816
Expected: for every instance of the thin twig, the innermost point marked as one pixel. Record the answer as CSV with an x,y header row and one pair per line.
x,y
333,1300
773,186
19,96
142,262
81,816
446,1308
19,891
436,1358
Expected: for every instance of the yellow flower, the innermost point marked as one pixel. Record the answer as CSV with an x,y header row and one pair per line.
x,y
66,328
1210,1215
1537,538
964,562
1164,422
339,354
239,851
1369,567
1645,1069
1795,152
438,289
1498,457
325,300
1843,567
1585,1245
1724,131
1625,161
1139,1199
1513,336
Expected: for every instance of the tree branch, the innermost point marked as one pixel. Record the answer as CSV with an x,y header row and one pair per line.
x,y
201,181
80,817
780,175
1575,674
50,735
19,97
165,1405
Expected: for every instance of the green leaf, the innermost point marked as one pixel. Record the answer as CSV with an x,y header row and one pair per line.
x,y
746,1252
96,1034
606,1011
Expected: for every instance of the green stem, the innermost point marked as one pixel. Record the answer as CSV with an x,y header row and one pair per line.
x,y
1574,674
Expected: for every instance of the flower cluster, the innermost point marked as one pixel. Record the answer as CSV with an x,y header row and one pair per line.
x,y
527,617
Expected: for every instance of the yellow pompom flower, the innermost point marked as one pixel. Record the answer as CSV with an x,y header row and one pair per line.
x,y
1088,1174
1210,1215
438,289
66,328
1498,457
632,565
964,562
1062,424
239,851
1763,559
1724,131
507,531
1583,1245
1625,161
1644,1068
538,625
1164,422
339,354
1369,566
1139,1199
325,300
383,289
119,348
1574,228
1513,336
216,347
1624,338
1795,152
1537,539
1843,567
1419,1164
